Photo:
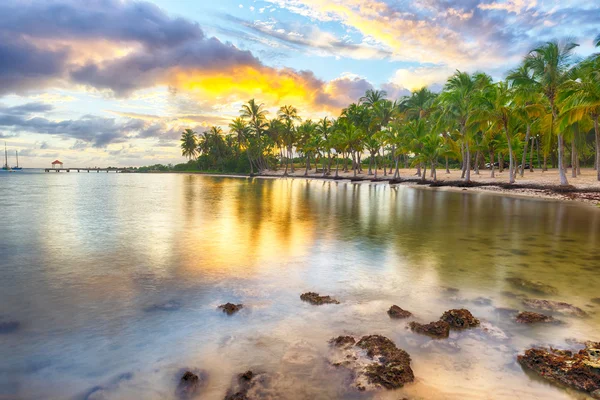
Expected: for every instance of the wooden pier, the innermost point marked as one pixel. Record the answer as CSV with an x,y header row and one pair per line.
x,y
116,170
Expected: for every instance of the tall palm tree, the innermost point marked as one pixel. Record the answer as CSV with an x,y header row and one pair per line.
x,y
581,99
550,65
256,115
189,144
372,96
459,102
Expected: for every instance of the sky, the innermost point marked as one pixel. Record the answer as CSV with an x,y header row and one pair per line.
x,y
115,82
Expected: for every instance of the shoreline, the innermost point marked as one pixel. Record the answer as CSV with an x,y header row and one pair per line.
x,y
589,195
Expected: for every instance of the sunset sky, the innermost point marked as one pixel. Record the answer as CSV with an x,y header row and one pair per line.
x,y
114,82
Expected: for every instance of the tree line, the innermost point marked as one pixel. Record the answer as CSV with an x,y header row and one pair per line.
x,y
545,111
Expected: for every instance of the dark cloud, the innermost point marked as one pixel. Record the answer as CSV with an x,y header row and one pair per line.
x,y
28,108
343,91
27,60
116,20
24,66
145,69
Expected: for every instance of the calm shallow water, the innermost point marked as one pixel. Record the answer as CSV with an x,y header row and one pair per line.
x,y
115,280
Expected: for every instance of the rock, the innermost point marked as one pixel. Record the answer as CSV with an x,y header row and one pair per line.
x,y
342,341
451,290
527,317
437,329
531,286
579,370
188,385
596,300
9,326
397,312
240,390
375,360
231,308
555,306
315,299
460,319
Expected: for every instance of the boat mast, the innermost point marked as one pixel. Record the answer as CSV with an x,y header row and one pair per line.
x,y
5,156
17,152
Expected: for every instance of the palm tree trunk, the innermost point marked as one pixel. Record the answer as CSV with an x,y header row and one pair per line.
x,y
468,161
307,165
573,159
418,169
527,133
337,167
561,161
447,169
597,130
500,163
354,163
434,169
493,175
370,172
477,162
375,167
383,159
531,156
397,172
424,172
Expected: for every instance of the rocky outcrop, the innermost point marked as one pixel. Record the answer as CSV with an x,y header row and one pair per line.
x,y
527,317
579,370
398,313
230,308
189,384
532,286
375,361
554,306
437,329
460,319
316,299
241,387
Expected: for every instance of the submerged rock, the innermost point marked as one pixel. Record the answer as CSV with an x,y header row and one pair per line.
x,y
231,308
579,370
188,385
531,286
397,312
240,389
460,319
9,326
437,329
316,299
171,305
493,331
555,306
375,361
596,300
482,301
527,317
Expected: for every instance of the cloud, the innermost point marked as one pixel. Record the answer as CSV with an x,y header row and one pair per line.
x,y
309,37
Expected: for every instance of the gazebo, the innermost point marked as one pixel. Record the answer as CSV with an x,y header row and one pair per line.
x,y
57,164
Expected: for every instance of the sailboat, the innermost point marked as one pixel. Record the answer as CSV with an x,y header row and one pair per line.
x,y
17,168
6,167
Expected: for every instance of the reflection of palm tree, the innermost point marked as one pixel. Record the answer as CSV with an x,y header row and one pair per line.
x,y
549,64
189,143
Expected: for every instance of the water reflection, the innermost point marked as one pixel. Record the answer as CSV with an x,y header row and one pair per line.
x,y
119,275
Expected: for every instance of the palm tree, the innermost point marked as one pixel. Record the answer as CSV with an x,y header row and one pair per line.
x,y
257,120
550,67
372,96
189,144
581,99
324,129
458,101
